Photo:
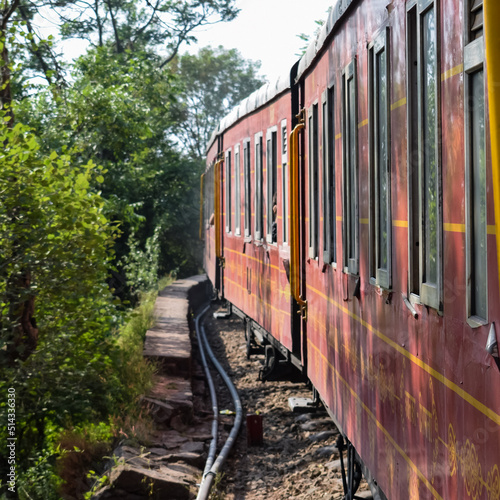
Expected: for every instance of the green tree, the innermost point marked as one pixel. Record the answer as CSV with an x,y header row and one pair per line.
x,y
120,113
55,246
215,80
161,26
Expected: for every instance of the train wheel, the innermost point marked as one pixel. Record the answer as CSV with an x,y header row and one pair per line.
x,y
352,477
248,338
269,363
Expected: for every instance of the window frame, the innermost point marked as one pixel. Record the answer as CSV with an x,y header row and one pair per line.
x,y
271,179
332,172
228,193
420,290
259,188
350,228
325,177
378,275
313,178
412,152
237,191
430,293
474,61
247,187
285,175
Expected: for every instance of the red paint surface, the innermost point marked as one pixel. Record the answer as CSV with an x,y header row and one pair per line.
x,y
418,398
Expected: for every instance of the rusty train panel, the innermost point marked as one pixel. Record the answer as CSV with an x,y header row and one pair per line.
x,y
410,385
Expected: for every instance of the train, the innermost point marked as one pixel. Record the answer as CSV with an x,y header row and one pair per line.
x,y
350,216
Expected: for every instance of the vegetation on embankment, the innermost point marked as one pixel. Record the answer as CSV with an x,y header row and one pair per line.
x,y
99,186
60,445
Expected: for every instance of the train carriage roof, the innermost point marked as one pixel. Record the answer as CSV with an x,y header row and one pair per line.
x,y
269,91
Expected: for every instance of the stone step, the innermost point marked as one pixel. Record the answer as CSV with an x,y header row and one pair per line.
x,y
175,482
172,466
170,397
168,343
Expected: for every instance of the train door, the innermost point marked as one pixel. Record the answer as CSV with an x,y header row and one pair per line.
x,y
297,229
219,223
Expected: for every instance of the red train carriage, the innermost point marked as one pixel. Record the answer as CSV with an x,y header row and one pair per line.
x,y
354,227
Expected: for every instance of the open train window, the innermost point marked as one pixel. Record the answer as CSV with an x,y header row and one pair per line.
x,y
380,169
475,170
284,179
350,170
248,187
237,190
259,209
228,183
313,181
328,176
272,185
424,153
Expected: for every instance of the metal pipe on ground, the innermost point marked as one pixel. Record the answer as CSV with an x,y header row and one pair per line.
x,y
209,477
213,395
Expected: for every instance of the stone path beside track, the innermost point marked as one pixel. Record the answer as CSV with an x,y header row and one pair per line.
x,y
298,457
169,462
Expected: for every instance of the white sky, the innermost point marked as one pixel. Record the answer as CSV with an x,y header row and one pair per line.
x,y
267,30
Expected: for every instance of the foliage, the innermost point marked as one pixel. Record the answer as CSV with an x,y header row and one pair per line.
x,y
55,245
97,185
215,80
132,25
133,369
307,38
141,266
119,113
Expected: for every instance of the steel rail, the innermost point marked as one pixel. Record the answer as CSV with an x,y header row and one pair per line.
x,y
213,467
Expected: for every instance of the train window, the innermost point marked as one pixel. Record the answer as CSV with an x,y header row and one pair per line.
x,y
272,184
380,203
228,183
313,181
332,185
429,163
475,181
426,208
284,179
258,188
413,184
350,170
328,174
248,187
237,190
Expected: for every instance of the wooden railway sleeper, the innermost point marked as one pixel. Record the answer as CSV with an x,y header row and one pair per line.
x,y
354,474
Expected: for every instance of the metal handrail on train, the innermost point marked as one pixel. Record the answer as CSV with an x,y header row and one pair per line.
x,y
294,219
212,467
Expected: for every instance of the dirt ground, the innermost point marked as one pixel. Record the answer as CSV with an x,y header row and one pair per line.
x,y
298,457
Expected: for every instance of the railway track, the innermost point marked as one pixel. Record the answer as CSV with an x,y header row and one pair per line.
x,y
298,458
